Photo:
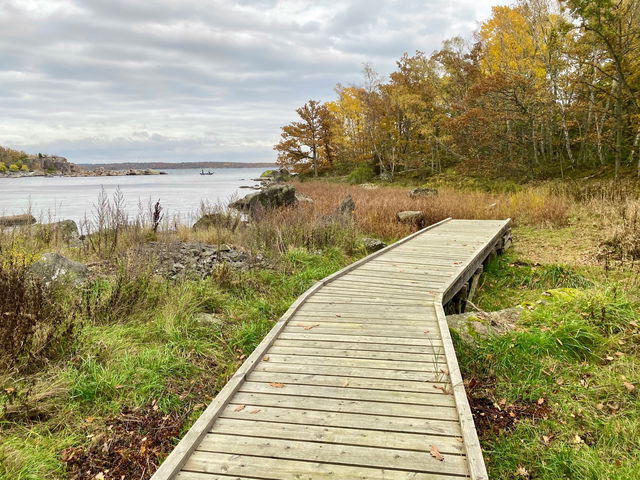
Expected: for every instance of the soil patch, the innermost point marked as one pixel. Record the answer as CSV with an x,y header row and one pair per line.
x,y
128,447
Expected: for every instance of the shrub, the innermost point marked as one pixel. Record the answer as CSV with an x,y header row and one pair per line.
x,y
36,323
14,168
361,174
3,167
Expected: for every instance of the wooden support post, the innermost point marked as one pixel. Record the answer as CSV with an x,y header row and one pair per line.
x,y
473,284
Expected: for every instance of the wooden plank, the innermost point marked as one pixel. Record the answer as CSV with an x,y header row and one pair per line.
x,y
305,416
362,329
280,469
427,375
337,352
361,339
338,435
369,347
331,318
386,458
355,362
349,406
351,382
345,392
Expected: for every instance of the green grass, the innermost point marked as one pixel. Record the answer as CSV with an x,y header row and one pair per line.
x,y
154,350
575,348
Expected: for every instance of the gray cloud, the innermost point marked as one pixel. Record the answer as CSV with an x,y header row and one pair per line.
x,y
121,80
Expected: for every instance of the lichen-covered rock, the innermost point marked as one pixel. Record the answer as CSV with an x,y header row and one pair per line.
x,y
476,325
271,197
423,192
347,206
414,217
53,267
66,230
195,259
217,220
372,244
17,220
302,198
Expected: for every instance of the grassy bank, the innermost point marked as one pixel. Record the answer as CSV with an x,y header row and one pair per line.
x,y
136,356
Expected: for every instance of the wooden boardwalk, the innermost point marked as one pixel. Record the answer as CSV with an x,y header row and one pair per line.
x,y
358,380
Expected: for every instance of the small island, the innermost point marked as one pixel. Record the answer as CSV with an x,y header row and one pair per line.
x,y
18,164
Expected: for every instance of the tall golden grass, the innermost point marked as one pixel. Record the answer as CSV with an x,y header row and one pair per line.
x,y
376,208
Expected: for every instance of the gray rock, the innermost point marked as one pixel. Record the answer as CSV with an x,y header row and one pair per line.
x,y
271,197
17,220
472,326
347,206
423,192
302,198
217,220
53,267
209,319
67,230
414,217
372,244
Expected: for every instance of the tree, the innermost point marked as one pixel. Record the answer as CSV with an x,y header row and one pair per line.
x,y
307,144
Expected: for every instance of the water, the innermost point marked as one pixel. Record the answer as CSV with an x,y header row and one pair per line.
x,y
180,193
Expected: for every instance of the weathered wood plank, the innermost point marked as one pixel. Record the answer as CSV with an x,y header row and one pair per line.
x,y
280,469
338,435
349,406
330,453
305,416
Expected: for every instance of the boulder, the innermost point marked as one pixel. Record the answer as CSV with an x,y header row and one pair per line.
x,y
414,217
302,198
209,319
17,220
347,206
476,325
217,220
53,266
372,244
67,230
423,192
271,197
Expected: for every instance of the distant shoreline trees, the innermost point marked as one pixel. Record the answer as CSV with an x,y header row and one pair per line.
x,y
544,88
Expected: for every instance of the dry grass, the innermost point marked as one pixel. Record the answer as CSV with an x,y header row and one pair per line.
x,y
376,208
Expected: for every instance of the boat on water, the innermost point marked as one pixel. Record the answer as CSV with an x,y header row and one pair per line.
x,y
208,172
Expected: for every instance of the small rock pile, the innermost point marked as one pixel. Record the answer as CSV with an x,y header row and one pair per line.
x,y
197,259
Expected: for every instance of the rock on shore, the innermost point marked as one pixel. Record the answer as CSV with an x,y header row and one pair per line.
x,y
17,220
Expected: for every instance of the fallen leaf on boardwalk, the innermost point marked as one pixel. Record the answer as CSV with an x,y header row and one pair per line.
x,y
239,408
443,388
265,358
312,326
345,384
254,411
445,371
540,401
629,386
338,315
435,453
277,385
522,472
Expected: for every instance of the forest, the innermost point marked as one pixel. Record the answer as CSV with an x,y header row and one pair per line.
x,y
544,89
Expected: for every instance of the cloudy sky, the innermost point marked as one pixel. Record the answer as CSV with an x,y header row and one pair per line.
x,y
178,80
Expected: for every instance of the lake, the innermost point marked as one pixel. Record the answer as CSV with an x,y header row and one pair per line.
x,y
180,192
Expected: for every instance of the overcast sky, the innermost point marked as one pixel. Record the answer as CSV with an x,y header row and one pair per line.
x,y
180,80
